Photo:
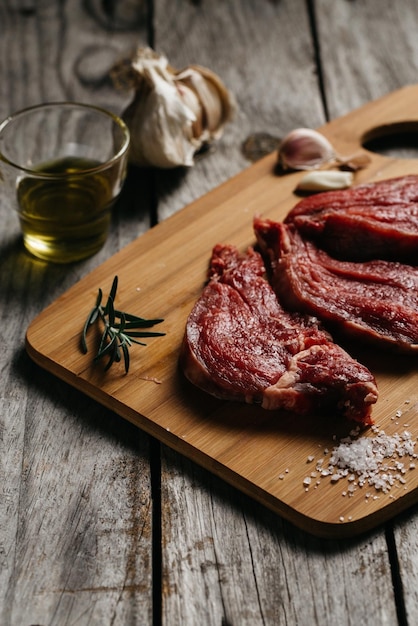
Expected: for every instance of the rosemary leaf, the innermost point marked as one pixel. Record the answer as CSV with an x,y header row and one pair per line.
x,y
119,329
114,289
110,311
106,348
141,323
145,334
126,356
99,298
89,321
138,320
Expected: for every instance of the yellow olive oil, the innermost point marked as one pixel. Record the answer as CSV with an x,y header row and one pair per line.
x,y
65,208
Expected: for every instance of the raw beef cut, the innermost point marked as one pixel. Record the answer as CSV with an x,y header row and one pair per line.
x,y
240,344
374,300
371,221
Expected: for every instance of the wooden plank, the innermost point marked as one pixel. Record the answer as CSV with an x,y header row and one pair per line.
x,y
76,508
225,558
328,596
268,71
240,443
230,560
406,562
377,53
376,57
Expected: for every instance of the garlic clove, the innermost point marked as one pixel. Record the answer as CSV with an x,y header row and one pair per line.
x,y
304,149
218,104
191,100
325,180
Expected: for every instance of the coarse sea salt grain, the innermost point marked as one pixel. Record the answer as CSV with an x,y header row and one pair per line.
x,y
380,461
307,481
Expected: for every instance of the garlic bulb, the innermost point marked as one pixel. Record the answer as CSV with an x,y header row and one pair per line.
x,y
173,113
305,149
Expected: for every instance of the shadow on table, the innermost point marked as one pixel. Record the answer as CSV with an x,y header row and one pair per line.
x,y
76,405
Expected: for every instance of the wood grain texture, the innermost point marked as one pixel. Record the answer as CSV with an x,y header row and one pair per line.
x,y
268,72
350,82
75,506
377,52
405,537
264,571
234,561
365,51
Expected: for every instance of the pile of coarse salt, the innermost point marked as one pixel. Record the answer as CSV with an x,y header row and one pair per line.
x,y
381,461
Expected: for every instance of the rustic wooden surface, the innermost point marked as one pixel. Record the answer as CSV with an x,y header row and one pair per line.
x,y
98,523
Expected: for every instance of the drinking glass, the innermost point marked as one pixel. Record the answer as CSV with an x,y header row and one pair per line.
x,y
62,166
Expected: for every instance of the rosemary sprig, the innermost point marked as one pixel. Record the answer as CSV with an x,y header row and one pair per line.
x,y
120,329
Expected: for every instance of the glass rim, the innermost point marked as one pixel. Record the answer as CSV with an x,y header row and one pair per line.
x,y
67,104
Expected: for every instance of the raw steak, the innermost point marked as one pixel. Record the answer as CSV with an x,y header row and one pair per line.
x,y
371,221
240,344
374,300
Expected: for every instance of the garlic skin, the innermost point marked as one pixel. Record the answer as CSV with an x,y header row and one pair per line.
x,y
325,180
214,99
173,113
305,149
160,125
354,162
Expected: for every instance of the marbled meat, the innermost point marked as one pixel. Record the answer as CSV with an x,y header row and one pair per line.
x,y
371,221
240,344
373,300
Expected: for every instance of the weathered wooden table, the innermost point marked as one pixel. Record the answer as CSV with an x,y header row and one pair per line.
x,y
100,524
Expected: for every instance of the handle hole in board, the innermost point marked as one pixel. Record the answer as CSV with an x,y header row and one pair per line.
x,y
398,140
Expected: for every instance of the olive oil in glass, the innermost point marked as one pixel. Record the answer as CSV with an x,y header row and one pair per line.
x,y
65,208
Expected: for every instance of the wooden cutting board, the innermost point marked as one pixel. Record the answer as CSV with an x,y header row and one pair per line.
x,y
265,454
